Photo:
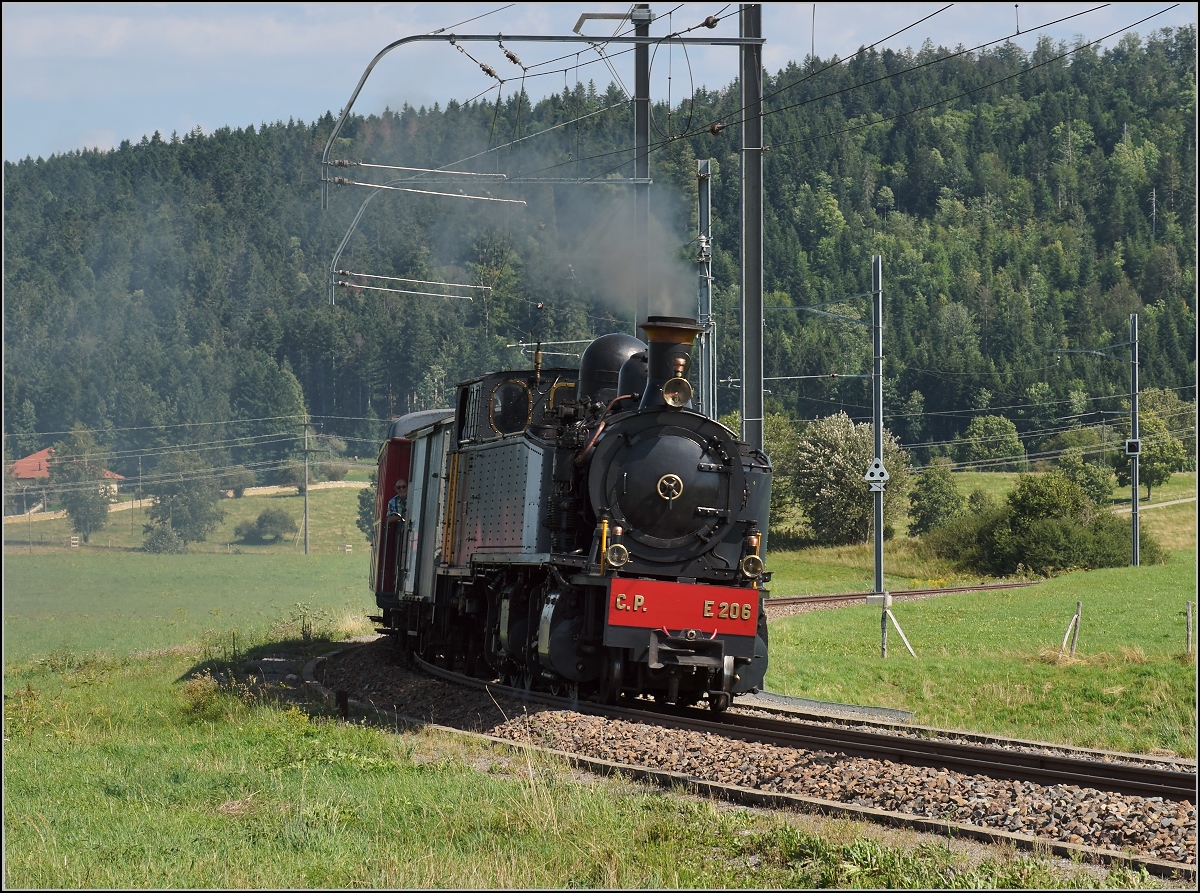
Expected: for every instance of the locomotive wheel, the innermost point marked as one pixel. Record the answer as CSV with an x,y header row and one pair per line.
x,y
613,676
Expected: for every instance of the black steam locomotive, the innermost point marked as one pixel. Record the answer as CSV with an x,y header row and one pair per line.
x,y
580,531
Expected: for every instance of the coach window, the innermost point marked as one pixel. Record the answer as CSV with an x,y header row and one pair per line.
x,y
510,407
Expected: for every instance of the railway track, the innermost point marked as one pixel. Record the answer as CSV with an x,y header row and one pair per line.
x,y
981,759
899,594
1076,805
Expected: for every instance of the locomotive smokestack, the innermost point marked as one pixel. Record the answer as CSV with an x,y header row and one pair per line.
x,y
669,358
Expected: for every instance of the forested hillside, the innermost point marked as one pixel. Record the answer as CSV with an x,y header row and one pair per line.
x,y
175,291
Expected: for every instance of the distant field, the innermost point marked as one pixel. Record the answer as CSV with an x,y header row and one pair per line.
x,y
997,484
331,518
84,601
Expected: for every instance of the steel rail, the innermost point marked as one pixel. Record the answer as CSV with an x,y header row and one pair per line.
x,y
988,760
783,601
1021,765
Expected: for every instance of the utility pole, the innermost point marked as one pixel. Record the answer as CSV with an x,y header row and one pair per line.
x,y
641,18
708,338
306,483
752,227
1134,446
877,475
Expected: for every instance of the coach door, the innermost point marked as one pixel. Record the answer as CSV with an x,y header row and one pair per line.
x,y
394,459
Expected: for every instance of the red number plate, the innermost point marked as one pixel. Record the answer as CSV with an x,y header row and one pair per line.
x,y
655,604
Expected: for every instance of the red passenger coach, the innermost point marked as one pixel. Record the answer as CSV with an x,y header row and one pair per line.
x,y
394,461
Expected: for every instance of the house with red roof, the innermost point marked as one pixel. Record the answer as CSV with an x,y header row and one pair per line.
x,y
35,469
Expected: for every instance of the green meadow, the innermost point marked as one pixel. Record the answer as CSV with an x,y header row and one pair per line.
x,y
991,661
83,601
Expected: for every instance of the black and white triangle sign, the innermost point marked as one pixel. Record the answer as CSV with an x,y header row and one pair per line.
x,y
876,473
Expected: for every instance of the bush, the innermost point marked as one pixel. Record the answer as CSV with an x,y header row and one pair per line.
x,y
935,498
980,502
162,539
1046,525
291,474
275,523
1096,481
1112,543
238,479
335,471
968,539
272,524
1050,545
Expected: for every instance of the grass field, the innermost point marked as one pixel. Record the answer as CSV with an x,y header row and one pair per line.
x,y
79,602
117,775
989,662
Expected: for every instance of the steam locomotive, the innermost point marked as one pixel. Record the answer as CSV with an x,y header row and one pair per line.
x,y
583,531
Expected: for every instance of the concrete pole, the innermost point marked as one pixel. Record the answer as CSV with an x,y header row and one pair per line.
x,y
1134,432
707,377
752,228
877,405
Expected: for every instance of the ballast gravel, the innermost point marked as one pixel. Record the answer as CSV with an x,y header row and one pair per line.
x,y
1145,826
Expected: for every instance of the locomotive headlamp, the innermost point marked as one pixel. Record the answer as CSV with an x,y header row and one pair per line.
x,y
751,566
677,392
617,555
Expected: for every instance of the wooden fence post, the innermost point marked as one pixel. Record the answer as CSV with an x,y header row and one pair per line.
x,y
1078,623
1189,629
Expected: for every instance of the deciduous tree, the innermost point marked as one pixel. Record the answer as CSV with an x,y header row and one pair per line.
x,y
832,457
1161,455
186,493
78,477
935,497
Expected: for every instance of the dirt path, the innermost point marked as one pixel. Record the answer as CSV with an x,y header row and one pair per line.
x,y
1142,507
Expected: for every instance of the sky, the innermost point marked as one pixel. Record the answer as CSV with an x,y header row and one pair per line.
x,y
90,75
